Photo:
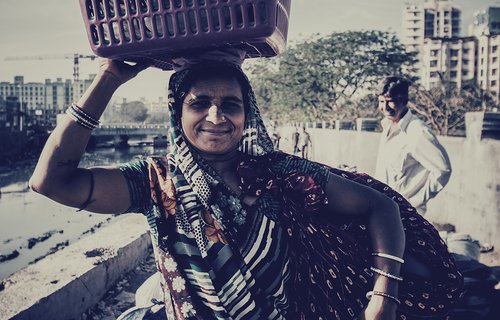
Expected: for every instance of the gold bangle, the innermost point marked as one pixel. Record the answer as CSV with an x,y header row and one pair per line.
x,y
369,295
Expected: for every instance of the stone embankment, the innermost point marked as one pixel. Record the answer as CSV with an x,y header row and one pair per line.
x,y
68,283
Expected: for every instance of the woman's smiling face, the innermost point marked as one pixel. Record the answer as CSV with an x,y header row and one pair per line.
x,y
213,115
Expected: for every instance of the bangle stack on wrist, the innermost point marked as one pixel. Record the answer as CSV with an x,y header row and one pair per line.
x,y
81,117
386,274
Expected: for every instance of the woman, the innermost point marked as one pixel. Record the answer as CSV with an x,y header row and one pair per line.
x,y
242,232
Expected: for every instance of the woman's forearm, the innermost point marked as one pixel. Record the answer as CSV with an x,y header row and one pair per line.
x,y
65,146
387,235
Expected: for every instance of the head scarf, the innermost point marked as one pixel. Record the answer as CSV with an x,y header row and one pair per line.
x,y
192,177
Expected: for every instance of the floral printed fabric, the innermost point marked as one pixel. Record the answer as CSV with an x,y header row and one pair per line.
x,y
178,302
329,256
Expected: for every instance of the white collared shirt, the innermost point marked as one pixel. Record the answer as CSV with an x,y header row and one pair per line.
x,y
412,161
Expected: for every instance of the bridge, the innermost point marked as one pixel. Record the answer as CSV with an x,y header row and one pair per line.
x,y
119,134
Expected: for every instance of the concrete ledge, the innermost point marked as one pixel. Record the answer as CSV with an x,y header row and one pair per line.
x,y
471,199
65,284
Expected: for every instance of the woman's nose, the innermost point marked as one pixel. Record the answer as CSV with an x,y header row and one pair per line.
x,y
215,115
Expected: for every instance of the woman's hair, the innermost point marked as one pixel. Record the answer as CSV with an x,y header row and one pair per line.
x,y
209,70
396,87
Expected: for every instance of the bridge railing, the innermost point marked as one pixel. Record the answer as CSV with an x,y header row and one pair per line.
x,y
132,126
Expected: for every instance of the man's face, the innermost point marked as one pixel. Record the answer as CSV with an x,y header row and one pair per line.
x,y
393,108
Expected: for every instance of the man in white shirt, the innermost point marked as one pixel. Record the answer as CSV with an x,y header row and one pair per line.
x,y
410,158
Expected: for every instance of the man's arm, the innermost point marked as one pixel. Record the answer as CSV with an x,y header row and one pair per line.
x,y
429,152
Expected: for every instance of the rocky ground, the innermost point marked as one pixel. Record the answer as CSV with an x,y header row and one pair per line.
x,y
122,296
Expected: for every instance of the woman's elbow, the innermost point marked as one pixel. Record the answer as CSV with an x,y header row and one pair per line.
x,y
35,185
39,185
388,205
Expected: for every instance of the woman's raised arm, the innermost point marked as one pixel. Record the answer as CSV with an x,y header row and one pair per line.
x,y
57,176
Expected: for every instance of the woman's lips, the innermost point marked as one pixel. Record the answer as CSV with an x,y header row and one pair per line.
x,y
215,131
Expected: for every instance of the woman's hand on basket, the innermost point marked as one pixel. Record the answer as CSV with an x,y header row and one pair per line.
x,y
379,308
121,71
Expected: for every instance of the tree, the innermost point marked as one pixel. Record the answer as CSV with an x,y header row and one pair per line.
x,y
315,78
134,111
443,107
158,118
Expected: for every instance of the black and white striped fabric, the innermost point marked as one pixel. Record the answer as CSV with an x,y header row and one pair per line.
x,y
226,280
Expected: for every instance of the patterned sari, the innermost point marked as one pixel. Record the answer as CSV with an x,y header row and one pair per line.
x,y
283,257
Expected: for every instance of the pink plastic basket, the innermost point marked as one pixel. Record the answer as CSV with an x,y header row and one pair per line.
x,y
159,30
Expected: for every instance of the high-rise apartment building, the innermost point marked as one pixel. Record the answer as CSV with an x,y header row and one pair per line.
x,y
448,60
80,86
42,101
486,22
32,94
442,19
486,28
488,64
58,96
431,19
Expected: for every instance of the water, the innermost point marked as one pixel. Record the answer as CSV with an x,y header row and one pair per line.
x,y
25,214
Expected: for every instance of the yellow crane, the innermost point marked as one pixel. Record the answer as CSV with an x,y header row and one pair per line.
x,y
75,56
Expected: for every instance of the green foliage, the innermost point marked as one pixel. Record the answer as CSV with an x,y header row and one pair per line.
x,y
158,118
134,111
317,79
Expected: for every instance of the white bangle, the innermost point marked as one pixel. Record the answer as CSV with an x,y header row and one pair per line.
x,y
386,274
388,256
84,123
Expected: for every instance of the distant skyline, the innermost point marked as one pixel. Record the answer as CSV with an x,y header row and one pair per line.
x,y
34,27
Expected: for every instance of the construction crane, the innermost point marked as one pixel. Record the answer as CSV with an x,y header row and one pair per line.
x,y
75,56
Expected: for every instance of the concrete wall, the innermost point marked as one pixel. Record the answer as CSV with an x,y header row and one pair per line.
x,y
65,284
470,201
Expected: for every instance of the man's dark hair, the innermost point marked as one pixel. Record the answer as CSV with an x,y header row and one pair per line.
x,y
395,87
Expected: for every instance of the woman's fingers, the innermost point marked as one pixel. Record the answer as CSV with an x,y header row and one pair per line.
x,y
140,66
122,71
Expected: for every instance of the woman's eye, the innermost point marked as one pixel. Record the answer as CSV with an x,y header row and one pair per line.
x,y
232,107
200,105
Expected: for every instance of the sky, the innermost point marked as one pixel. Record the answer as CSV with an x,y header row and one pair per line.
x,y
55,27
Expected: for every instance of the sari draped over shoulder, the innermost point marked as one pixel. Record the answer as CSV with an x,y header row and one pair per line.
x,y
325,271
282,257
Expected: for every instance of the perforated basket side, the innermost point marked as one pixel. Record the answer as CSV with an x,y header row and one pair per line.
x,y
135,29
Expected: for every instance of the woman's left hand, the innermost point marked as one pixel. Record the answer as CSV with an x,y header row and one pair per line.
x,y
379,308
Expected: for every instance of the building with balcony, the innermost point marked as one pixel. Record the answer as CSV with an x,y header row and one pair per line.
x,y
486,28
448,60
488,64
42,101
431,19
9,114
432,29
